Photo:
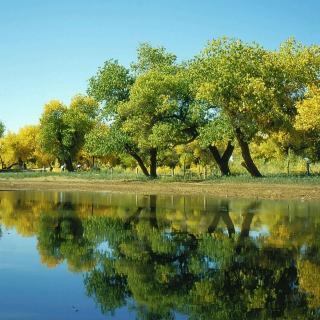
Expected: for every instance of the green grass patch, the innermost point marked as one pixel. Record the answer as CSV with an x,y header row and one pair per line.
x,y
190,177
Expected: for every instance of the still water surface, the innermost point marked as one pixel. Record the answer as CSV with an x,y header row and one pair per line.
x,y
114,256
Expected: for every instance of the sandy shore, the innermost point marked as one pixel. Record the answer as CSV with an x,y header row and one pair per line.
x,y
220,189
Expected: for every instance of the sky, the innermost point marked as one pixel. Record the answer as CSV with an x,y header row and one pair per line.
x,y
49,49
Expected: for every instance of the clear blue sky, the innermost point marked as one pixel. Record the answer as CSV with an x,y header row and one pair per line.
x,y
49,49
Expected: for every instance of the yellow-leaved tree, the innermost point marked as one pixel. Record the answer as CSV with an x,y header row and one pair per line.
x,y
18,148
63,128
308,122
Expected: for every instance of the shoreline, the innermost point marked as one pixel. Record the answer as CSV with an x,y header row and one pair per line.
x,y
249,190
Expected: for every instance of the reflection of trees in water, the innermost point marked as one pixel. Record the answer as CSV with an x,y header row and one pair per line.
x,y
62,237
214,274
223,214
136,257
151,262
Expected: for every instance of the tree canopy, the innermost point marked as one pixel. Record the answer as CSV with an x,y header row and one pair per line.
x,y
154,114
254,90
62,128
233,99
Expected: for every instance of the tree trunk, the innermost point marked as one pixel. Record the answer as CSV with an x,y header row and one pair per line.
x,y
249,214
2,163
245,228
224,211
11,165
134,218
245,151
224,214
153,163
153,211
140,163
212,227
222,162
69,165
228,222
20,162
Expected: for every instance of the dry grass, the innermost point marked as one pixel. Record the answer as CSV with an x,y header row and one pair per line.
x,y
259,189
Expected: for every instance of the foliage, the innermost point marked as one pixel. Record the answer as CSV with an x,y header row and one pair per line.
x,y
156,115
253,90
308,122
110,85
232,99
152,58
2,128
22,148
62,238
62,128
149,113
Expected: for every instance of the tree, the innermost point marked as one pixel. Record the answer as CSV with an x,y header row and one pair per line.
x,y
254,91
146,112
158,114
230,81
63,128
216,135
149,58
308,122
20,148
110,85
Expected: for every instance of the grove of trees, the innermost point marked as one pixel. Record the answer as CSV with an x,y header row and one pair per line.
x,y
232,100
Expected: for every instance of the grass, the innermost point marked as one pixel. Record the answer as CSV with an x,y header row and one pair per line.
x,y
272,186
130,176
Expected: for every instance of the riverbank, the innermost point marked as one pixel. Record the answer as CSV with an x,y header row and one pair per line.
x,y
233,187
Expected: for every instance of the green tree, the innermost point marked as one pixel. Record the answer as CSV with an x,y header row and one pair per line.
x,y
158,115
149,58
62,128
148,112
216,135
254,91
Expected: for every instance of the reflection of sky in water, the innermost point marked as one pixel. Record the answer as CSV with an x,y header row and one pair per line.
x,y
104,248
262,232
31,291
210,263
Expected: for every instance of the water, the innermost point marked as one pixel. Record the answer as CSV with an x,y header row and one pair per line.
x,y
115,256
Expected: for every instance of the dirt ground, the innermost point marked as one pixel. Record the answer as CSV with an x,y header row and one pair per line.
x,y
219,189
